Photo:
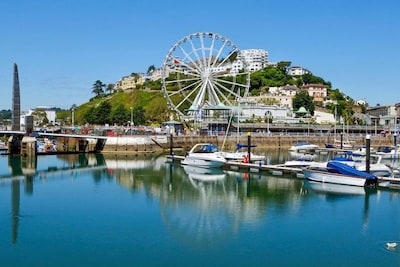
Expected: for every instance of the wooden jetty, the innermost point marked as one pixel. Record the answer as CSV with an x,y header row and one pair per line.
x,y
280,169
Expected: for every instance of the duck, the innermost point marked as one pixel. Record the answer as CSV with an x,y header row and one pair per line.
x,y
392,244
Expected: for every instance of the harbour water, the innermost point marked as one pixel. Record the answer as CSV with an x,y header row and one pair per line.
x,y
118,210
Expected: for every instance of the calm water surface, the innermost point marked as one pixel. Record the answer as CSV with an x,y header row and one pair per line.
x,y
114,210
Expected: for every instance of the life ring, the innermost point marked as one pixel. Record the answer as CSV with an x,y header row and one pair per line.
x,y
245,159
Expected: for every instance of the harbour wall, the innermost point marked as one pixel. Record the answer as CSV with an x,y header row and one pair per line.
x,y
150,144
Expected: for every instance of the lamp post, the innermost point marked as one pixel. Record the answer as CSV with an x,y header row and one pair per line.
x,y
131,119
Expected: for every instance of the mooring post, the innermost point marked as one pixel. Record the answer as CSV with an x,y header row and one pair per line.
x,y
171,144
341,140
368,152
249,145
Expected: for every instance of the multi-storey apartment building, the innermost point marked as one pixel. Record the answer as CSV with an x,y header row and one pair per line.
x,y
386,115
256,59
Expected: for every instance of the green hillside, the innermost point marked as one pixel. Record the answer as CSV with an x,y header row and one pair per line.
x,y
149,106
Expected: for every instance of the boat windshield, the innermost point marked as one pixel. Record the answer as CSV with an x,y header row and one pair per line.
x,y
209,148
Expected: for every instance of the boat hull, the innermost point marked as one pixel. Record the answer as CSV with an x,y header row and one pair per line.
x,y
328,188
203,162
239,156
334,178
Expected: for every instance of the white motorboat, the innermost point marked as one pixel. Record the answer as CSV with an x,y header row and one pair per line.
x,y
341,145
377,168
339,173
388,152
362,151
300,163
242,156
303,146
204,155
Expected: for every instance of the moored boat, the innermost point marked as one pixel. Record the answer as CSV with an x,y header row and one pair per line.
x,y
204,155
242,156
339,173
389,182
303,146
388,152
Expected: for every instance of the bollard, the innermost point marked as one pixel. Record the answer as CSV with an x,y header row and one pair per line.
x,y
249,146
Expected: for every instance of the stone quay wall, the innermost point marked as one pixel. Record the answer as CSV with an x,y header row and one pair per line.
x,y
151,144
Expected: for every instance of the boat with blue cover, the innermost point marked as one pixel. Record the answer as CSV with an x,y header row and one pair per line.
x,y
337,172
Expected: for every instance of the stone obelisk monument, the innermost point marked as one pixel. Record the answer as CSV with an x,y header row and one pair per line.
x,y
16,105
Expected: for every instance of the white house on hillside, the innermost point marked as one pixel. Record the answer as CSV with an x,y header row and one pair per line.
x,y
297,71
324,117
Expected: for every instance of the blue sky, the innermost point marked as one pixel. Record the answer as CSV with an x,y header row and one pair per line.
x,y
62,47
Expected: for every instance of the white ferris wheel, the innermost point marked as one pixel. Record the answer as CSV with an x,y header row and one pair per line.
x,y
201,70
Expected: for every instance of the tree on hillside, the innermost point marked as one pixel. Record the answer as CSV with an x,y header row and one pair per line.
x,y
150,69
139,117
120,115
100,114
110,88
103,113
158,111
269,76
136,76
5,114
303,99
89,115
335,94
284,66
98,88
309,78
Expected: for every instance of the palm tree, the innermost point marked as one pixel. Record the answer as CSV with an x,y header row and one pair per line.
x,y
98,88
150,69
110,88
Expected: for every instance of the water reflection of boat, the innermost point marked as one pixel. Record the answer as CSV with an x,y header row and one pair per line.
x,y
333,188
204,174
